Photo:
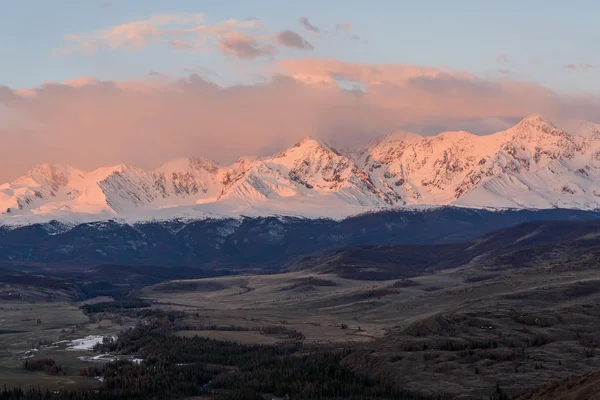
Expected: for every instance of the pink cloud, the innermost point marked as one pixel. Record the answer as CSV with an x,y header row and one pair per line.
x,y
81,81
344,26
128,36
88,123
182,31
329,70
181,45
186,32
245,39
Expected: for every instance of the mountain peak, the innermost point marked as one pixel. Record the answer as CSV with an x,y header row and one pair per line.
x,y
50,172
535,120
104,172
47,167
391,143
188,164
308,141
122,167
404,136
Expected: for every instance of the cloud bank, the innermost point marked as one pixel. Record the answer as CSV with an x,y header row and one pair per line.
x,y
89,123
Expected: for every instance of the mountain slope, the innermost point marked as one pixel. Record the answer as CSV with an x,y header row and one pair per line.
x,y
272,241
307,168
531,165
568,245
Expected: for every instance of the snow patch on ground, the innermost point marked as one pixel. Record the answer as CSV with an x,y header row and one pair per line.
x,y
87,343
98,358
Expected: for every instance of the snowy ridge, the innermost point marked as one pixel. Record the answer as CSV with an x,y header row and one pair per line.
x,y
531,165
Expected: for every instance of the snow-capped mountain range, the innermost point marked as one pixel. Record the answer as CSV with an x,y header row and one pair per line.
x,y
531,165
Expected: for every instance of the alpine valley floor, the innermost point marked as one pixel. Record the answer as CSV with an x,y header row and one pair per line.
x,y
511,314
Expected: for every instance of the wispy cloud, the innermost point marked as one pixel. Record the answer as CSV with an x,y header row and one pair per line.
x,y
344,26
502,58
329,70
205,73
81,82
346,29
245,39
308,26
240,39
132,35
182,31
244,47
107,4
290,38
579,66
180,45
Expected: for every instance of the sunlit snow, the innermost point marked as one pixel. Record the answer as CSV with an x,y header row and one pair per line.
x,y
533,165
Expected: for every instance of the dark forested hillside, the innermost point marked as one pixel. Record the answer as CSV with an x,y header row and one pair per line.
x,y
252,241
573,244
173,367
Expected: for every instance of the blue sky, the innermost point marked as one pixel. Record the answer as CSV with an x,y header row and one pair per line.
x,y
538,39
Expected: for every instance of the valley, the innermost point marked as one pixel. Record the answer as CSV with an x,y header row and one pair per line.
x,y
514,310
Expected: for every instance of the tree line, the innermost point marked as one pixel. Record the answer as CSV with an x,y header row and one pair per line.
x,y
178,367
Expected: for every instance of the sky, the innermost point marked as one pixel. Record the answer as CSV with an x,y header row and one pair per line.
x,y
93,83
